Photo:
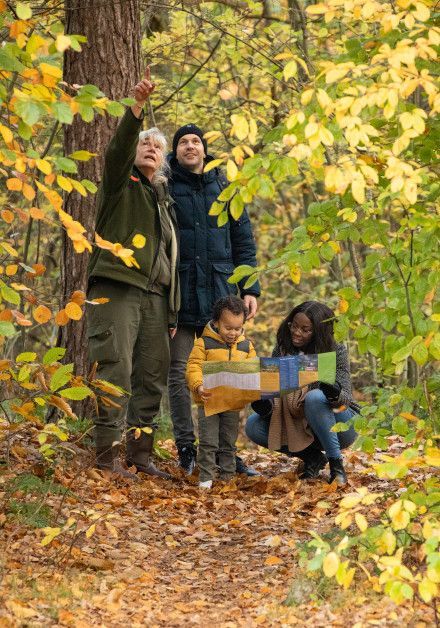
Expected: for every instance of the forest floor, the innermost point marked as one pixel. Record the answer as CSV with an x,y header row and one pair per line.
x,y
158,553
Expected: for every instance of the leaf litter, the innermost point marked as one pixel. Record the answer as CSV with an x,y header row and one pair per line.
x,y
161,553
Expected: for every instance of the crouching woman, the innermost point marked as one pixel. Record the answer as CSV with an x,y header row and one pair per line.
x,y
299,424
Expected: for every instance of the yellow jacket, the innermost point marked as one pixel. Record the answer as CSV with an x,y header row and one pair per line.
x,y
211,348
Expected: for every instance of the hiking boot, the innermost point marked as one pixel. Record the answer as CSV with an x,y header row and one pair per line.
x,y
107,459
337,471
313,463
242,469
140,452
187,458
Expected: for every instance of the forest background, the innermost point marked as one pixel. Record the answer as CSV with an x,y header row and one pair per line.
x,y
325,119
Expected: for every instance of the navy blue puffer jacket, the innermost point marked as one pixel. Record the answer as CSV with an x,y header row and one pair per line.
x,y
208,253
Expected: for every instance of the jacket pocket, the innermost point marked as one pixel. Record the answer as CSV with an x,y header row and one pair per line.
x,y
221,271
103,346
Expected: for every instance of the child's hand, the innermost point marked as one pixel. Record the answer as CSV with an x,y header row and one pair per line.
x,y
203,394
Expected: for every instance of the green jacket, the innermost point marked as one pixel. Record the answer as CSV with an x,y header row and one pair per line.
x,y
129,205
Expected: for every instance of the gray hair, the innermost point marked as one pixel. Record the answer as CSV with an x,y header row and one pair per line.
x,y
162,173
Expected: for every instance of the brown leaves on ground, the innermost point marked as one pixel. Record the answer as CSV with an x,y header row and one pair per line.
x,y
163,553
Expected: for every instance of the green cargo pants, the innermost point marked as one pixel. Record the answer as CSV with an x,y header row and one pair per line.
x,y
217,435
128,337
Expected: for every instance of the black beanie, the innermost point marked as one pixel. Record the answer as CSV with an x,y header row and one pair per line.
x,y
189,129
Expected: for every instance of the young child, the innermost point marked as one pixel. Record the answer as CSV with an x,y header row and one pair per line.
x,y
222,339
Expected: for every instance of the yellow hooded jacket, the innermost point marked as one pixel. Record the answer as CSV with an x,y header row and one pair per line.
x,y
210,347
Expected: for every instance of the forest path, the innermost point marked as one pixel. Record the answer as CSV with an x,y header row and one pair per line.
x,y
168,554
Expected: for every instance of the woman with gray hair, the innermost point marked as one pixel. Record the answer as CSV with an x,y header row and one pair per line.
x,y
129,334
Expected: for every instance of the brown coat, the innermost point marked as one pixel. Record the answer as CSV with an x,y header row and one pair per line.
x,y
288,425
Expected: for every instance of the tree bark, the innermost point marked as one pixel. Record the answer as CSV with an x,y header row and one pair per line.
x,y
111,60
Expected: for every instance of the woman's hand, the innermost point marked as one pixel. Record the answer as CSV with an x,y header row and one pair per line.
x,y
331,391
141,92
203,394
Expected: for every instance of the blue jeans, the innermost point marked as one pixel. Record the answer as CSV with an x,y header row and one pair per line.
x,y
320,417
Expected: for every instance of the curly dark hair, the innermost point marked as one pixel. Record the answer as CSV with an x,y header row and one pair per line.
x,y
234,304
322,319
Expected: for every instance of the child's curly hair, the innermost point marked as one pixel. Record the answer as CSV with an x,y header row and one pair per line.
x,y
233,304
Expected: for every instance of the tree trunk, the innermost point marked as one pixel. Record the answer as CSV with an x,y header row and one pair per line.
x,y
110,60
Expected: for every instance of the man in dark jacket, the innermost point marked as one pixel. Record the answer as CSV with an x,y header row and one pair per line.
x,y
208,256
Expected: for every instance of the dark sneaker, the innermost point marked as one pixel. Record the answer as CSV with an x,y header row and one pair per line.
x,y
187,458
242,469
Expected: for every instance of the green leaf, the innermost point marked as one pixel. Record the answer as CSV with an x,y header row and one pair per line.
x,y
89,185
340,427
10,63
222,219
240,272
10,295
29,356
77,393
53,355
23,11
420,354
28,110
250,281
236,207
65,164
115,108
82,155
24,130
61,376
7,329
62,112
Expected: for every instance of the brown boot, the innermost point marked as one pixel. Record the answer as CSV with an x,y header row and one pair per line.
x,y
107,459
139,454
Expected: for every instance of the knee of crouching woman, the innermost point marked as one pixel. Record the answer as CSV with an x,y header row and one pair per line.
x,y
313,397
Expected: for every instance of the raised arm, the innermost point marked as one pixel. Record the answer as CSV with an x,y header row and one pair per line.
x,y
121,151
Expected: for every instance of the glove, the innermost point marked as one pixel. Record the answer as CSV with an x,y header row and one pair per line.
x,y
331,391
263,407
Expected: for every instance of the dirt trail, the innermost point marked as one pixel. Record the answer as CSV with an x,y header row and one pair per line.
x,y
166,554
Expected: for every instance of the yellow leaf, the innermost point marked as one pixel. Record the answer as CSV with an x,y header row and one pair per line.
x,y
290,69
427,590
139,241
73,311
432,456
28,192
330,564
62,43
343,306
422,12
11,269
273,560
43,165
7,215
6,133
9,249
14,184
212,164
240,127
361,521
42,314
358,188
231,170
91,530
350,501
112,530
137,433
295,273
51,70
61,318
317,9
